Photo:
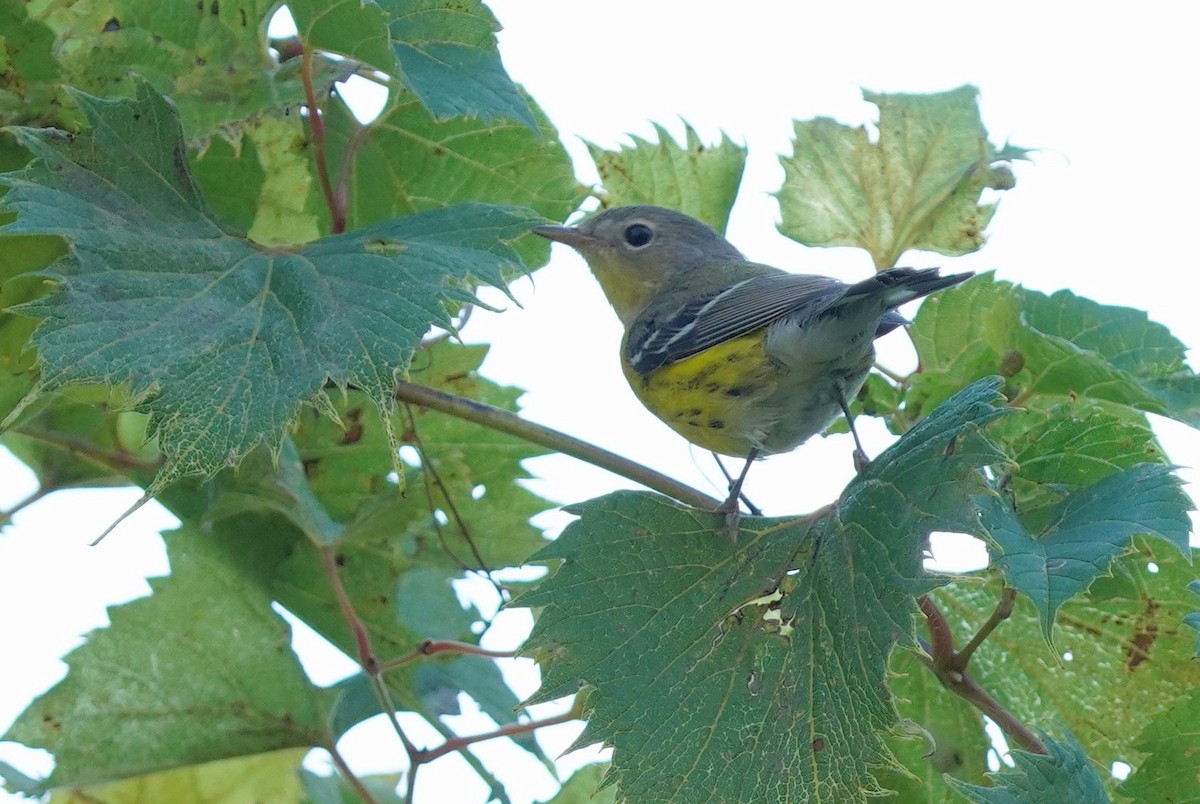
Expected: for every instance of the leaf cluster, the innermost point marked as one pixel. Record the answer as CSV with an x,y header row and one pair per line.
x,y
214,274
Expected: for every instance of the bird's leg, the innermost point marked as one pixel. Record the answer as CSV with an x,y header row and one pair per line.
x,y
754,509
861,461
730,508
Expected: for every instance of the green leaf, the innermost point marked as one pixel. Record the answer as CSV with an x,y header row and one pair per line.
x,y
1119,658
30,83
336,790
406,162
355,28
1086,531
756,669
941,734
260,184
219,339
1066,774
1172,741
1193,619
694,178
210,57
1063,447
161,672
917,187
262,777
447,54
584,787
1059,345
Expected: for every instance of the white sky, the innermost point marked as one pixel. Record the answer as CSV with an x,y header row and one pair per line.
x,y
1108,210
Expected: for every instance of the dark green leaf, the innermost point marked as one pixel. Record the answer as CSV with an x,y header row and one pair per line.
x,y
1085,532
30,83
406,162
1065,775
220,339
447,54
694,178
759,667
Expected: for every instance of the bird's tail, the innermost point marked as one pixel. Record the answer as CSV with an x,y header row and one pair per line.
x,y
895,286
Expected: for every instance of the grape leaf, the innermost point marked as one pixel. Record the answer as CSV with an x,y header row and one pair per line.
x,y
262,777
30,82
758,669
917,187
694,178
218,339
1122,641
448,57
160,670
1172,741
405,161
945,735
1086,531
1060,345
210,57
1065,774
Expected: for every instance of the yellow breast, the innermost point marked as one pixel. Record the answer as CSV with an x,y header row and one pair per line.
x,y
714,399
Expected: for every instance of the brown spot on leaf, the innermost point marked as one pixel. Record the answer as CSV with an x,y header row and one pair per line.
x,y
818,744
1145,634
1012,363
352,435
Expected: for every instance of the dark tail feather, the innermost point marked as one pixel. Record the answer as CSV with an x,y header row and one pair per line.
x,y
899,285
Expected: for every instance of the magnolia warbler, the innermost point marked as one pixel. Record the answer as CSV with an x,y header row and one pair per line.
x,y
737,357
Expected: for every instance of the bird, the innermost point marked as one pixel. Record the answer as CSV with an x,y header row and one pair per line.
x,y
740,358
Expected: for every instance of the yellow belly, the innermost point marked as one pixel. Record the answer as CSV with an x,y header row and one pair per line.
x,y
715,399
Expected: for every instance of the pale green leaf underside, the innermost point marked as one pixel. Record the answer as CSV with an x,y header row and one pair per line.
x,y
155,690
1172,741
692,177
917,187
711,667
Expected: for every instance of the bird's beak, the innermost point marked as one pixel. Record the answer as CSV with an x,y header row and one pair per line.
x,y
570,235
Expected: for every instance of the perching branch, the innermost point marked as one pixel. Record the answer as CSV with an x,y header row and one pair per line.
x,y
950,667
507,422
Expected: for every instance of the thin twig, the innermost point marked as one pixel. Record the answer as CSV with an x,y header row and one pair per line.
x,y
512,729
430,647
111,458
351,779
6,516
950,667
1003,610
507,422
362,640
337,212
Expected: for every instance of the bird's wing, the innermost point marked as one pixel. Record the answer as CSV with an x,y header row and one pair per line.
x,y
728,313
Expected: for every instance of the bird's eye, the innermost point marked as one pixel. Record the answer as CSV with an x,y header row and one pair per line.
x,y
638,235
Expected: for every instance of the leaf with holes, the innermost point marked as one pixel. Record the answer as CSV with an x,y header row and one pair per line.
x,y
758,669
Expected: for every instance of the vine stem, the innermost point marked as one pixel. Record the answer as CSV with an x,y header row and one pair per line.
x,y
508,422
512,729
950,667
351,778
433,646
335,201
